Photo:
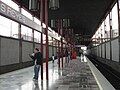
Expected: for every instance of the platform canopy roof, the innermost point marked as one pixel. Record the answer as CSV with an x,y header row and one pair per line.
x,y
85,15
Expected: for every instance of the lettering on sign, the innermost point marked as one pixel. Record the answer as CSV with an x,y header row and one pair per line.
x,y
11,12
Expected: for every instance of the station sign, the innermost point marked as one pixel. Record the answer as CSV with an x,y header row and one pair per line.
x,y
11,13
14,15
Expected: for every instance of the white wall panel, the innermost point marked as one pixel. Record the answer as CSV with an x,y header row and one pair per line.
x,y
27,48
96,51
103,50
55,50
115,50
50,51
108,50
99,51
9,51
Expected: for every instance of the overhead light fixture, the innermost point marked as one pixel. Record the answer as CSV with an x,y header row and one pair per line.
x,y
53,23
53,4
33,5
66,22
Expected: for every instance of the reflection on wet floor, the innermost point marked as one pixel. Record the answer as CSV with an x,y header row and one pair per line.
x,y
76,75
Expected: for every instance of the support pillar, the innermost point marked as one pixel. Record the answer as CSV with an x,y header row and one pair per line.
x,y
118,5
110,21
58,31
56,48
62,51
58,54
41,18
46,33
101,42
105,39
33,37
20,41
42,54
61,30
52,47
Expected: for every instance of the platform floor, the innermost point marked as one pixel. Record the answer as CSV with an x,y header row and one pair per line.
x,y
76,75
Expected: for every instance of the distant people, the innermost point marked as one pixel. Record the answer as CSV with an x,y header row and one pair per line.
x,y
80,52
57,55
74,55
66,55
69,55
53,58
37,57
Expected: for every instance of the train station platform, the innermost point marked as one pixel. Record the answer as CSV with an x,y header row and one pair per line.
x,y
78,74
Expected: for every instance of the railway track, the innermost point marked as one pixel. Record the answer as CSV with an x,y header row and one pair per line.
x,y
111,75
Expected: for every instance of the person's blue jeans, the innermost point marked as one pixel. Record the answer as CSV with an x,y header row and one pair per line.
x,y
36,71
67,59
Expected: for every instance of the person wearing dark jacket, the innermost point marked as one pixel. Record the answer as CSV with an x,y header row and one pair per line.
x,y
67,56
37,57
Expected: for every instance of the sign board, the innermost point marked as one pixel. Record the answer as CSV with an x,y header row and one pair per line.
x,y
14,15
10,13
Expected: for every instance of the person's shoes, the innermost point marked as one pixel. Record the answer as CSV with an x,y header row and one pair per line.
x,y
35,79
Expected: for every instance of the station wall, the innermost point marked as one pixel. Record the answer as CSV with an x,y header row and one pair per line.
x,y
10,53
102,52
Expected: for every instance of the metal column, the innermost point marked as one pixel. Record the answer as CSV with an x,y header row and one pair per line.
x,y
101,41
52,47
46,33
58,54
20,41
41,18
42,54
118,3
105,39
62,51
58,25
33,37
110,21
61,30
55,48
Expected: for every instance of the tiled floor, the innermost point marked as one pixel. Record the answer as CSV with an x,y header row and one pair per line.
x,y
76,75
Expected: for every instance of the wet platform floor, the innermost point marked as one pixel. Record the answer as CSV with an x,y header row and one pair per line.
x,y
76,75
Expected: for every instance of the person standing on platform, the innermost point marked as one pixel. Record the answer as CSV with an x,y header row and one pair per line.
x,y
79,53
37,57
74,55
66,55
53,58
69,55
